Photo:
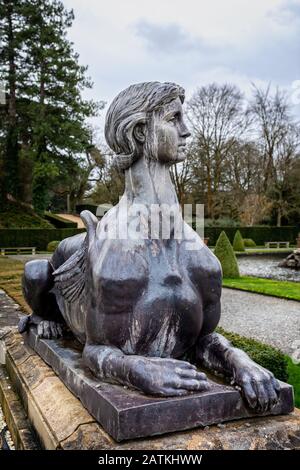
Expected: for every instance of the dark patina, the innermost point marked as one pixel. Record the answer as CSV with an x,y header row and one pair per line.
x,y
144,306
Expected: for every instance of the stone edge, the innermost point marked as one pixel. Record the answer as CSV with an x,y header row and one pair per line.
x,y
18,424
34,411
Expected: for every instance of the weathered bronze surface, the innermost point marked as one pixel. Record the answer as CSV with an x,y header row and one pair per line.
x,y
144,306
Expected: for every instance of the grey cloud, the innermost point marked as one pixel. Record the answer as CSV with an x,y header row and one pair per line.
x,y
287,14
273,57
169,38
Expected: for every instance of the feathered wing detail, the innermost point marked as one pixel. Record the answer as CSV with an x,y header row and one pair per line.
x,y
70,277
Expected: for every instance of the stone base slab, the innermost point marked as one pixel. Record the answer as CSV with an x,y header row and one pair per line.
x,y
127,414
61,421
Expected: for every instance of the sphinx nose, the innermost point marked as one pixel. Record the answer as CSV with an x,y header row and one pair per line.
x,y
172,279
185,132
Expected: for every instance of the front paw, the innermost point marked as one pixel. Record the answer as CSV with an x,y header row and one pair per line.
x,y
24,323
166,377
49,330
259,386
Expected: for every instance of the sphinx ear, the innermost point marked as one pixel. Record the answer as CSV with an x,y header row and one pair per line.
x,y
139,132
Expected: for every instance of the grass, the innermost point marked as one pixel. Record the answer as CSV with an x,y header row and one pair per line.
x,y
294,379
283,289
10,281
262,251
265,251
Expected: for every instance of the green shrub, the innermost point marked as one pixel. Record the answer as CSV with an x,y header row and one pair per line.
x,y
53,245
249,243
265,355
224,252
238,242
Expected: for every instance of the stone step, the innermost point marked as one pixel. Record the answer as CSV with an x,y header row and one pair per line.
x,y
57,416
18,424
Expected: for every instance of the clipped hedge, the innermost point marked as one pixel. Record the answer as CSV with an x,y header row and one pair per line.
x,y
225,254
59,222
260,234
238,242
34,236
265,355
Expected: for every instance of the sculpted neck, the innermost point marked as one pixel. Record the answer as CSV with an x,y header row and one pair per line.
x,y
149,182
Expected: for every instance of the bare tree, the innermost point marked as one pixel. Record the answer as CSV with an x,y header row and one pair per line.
x,y
281,188
278,138
181,175
217,119
254,208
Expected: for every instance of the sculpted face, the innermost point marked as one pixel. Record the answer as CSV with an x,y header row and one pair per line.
x,y
171,133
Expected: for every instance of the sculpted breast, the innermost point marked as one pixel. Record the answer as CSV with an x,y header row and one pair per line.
x,y
121,278
205,272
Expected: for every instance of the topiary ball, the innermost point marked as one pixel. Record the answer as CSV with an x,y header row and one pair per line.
x,y
53,245
249,243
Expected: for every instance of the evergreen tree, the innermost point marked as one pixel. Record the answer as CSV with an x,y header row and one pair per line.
x,y
238,242
11,76
224,252
52,111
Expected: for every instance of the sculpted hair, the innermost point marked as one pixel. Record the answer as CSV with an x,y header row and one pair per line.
x,y
137,104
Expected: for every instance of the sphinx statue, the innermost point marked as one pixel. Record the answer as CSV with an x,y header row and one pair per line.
x,y
145,307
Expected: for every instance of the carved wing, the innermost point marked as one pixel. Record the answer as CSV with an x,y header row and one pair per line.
x,y
70,277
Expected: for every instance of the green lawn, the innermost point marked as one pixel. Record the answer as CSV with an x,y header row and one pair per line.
x,y
265,251
284,289
294,379
10,280
260,250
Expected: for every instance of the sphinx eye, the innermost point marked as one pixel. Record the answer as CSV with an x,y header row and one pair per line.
x,y
175,118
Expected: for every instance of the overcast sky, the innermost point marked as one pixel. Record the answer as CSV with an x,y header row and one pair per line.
x,y
191,42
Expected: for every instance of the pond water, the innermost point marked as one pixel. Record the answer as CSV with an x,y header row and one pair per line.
x,y
266,266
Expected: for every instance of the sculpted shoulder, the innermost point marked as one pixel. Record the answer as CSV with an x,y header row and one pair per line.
x,y
204,270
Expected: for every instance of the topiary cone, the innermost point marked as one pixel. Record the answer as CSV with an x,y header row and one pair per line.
x,y
224,252
238,242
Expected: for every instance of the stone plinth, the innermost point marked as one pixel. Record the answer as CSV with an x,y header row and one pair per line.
x,y
127,414
61,421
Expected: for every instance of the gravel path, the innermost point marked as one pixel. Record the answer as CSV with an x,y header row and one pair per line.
x,y
268,319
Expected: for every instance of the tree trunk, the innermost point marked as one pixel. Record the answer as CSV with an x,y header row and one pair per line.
x,y
11,182
279,217
209,194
